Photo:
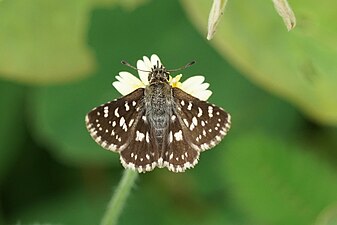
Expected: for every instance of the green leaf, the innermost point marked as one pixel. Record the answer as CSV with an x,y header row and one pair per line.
x,y
44,41
59,119
328,216
299,65
276,181
12,137
76,207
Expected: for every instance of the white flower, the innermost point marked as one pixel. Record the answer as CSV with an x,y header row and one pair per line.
x,y
127,82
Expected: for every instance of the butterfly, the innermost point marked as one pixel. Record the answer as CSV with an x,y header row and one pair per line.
x,y
158,125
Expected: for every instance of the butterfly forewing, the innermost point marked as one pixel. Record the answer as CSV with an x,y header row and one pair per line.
x,y
204,124
112,124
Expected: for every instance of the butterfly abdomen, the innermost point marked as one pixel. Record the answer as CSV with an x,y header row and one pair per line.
x,y
158,109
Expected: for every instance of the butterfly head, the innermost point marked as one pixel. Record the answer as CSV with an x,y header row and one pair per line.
x,y
158,74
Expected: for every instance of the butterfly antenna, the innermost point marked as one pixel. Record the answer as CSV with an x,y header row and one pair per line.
x,y
183,67
131,66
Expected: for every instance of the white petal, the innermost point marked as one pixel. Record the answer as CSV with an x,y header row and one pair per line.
x,y
127,83
155,59
121,88
145,65
195,80
128,79
204,86
195,86
176,78
203,95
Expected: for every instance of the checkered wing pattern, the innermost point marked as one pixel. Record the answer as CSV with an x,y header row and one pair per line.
x,y
179,155
142,152
112,125
203,124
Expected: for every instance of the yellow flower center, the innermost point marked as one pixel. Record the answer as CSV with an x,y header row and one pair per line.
x,y
174,82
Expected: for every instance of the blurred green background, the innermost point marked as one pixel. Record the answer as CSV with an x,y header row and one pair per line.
x,y
276,166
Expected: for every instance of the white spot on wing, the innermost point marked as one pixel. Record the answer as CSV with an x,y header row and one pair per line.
x,y
106,111
178,135
116,112
194,121
122,121
189,107
127,106
160,162
192,126
170,137
147,137
139,136
199,112
210,111
125,128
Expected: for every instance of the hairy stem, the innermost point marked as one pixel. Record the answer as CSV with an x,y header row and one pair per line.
x,y
118,200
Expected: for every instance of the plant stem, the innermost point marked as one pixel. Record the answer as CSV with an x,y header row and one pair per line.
x,y
118,200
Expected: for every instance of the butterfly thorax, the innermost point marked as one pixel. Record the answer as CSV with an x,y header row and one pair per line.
x,y
158,104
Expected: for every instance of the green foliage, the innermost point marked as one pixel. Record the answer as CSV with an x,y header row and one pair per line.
x,y
299,65
43,41
11,120
74,207
278,182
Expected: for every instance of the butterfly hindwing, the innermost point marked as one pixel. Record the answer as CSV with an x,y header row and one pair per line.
x,y
178,155
142,152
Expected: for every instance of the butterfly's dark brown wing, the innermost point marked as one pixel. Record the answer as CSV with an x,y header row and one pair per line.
x,y
178,155
112,125
142,152
203,124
